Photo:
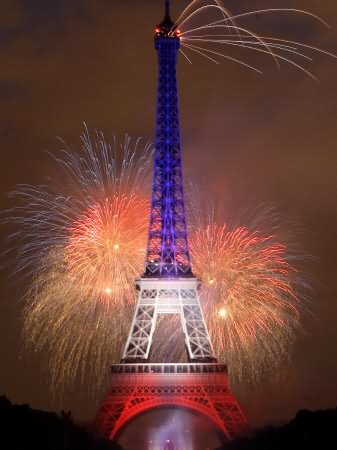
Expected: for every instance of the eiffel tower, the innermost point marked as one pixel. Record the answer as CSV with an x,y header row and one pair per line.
x,y
168,286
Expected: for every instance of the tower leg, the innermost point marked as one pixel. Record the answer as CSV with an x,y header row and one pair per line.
x,y
139,341
197,339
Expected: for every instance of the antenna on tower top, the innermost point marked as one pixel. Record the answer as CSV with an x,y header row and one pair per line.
x,y
166,27
167,8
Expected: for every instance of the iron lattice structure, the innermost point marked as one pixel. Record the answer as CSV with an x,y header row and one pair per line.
x,y
168,296
167,251
168,287
201,388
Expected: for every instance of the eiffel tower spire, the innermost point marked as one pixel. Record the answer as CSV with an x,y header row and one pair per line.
x,y
167,9
167,251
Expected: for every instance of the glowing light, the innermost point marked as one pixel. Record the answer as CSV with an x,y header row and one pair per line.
x,y
108,290
222,312
116,246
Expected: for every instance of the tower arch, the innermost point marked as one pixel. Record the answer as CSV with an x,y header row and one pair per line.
x,y
142,404
200,387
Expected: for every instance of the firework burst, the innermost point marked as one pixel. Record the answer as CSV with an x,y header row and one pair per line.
x,y
105,248
254,292
83,251
250,296
207,28
81,245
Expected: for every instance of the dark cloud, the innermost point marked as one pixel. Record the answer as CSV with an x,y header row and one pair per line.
x,y
12,15
258,138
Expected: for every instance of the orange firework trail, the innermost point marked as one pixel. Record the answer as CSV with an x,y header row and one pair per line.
x,y
249,294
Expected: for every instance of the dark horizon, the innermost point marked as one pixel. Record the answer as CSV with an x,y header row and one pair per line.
x,y
248,138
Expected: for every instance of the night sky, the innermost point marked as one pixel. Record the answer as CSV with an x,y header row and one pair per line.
x,y
252,138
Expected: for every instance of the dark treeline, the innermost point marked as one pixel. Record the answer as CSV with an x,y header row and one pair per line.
x,y
22,427
308,430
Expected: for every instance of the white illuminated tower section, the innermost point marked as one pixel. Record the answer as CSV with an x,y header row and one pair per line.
x,y
168,286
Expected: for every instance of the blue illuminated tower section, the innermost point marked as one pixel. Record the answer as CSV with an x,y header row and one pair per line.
x,y
167,252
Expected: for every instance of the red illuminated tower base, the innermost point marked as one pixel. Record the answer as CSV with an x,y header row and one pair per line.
x,y
201,388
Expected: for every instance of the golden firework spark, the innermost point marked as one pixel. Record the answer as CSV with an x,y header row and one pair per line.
x,y
83,241
249,296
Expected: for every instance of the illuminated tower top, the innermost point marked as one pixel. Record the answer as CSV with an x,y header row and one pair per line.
x,y
166,27
167,250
